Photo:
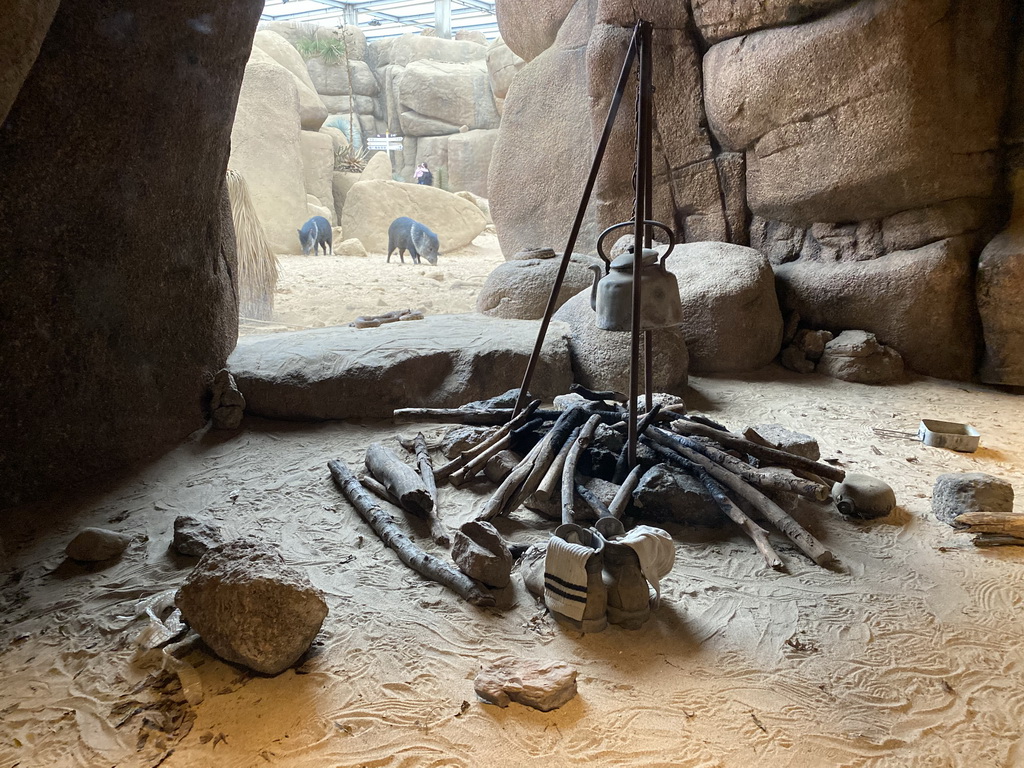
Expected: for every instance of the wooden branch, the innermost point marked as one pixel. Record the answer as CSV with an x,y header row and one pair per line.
x,y
485,416
1002,523
557,436
997,540
769,455
467,456
370,483
591,394
479,462
580,445
385,527
592,501
401,480
499,499
625,492
553,476
438,532
796,533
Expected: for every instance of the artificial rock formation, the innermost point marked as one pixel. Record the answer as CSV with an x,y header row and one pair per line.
x,y
520,288
94,374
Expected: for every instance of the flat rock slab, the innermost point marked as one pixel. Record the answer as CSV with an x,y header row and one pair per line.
x,y
959,493
442,361
537,683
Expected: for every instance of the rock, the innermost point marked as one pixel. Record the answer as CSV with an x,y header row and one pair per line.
x,y
432,150
552,508
600,359
664,399
957,493
312,110
479,202
341,183
857,356
442,361
812,343
529,28
334,79
533,253
378,168
828,139
350,247
96,544
502,66
668,494
794,358
266,149
341,105
371,206
472,35
459,439
312,209
863,496
454,93
731,315
250,607
143,204
1000,292
469,160
352,130
227,404
480,553
778,436
193,536
520,289
409,48
537,683
721,19
294,31
318,168
918,302
500,466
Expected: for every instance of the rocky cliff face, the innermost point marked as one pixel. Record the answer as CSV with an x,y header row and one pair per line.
x,y
821,132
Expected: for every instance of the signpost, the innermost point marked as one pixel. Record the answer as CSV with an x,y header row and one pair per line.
x,y
384,143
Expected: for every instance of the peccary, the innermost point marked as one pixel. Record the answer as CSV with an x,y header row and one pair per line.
x,y
316,233
408,235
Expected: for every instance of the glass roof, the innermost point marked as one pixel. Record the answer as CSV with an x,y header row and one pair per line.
x,y
384,18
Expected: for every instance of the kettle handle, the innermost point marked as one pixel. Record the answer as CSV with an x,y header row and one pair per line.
x,y
613,227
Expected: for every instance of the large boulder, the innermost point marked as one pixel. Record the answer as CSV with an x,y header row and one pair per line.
x,y
97,373
600,359
341,79
502,66
342,182
312,110
731,316
720,19
409,48
458,94
26,23
250,607
371,206
266,148
919,302
520,288
377,168
834,135
529,28
318,166
442,361
1000,293
469,161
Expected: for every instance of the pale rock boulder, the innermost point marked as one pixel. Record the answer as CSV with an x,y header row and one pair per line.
x,y
919,302
458,94
341,183
339,138
341,80
378,168
469,160
371,206
857,356
538,683
472,36
339,105
520,288
600,359
959,493
479,202
502,66
314,208
266,148
409,48
312,110
318,167
350,247
432,150
829,138
529,28
97,544
25,25
720,19
414,124
731,316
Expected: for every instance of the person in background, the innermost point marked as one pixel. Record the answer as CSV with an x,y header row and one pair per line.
x,y
423,175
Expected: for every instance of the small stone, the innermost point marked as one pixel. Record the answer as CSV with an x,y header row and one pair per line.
x,y
96,544
351,247
857,356
567,401
664,399
778,436
667,494
250,607
957,493
537,683
193,536
812,343
480,553
462,438
227,404
794,359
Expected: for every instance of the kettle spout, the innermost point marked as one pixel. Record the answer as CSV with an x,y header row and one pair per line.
x,y
596,269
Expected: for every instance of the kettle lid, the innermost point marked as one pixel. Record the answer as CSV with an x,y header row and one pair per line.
x,y
625,260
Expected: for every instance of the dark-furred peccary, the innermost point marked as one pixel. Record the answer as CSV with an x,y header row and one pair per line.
x,y
316,233
408,235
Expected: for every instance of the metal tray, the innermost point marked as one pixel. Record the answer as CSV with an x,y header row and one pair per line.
x,y
949,434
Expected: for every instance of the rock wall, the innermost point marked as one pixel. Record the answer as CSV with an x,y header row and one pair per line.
x,y
824,133
116,243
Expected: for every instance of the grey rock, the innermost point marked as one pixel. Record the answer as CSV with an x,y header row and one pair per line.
x,y
520,289
812,343
778,436
667,494
564,402
919,302
480,553
794,359
600,359
537,683
552,508
461,438
227,404
500,466
857,356
529,28
193,536
721,19
442,361
957,493
96,544
250,607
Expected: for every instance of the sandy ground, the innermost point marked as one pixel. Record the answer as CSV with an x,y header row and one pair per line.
x,y
909,653
318,291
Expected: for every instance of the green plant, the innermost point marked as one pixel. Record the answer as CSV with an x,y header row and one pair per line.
x,y
328,50
351,159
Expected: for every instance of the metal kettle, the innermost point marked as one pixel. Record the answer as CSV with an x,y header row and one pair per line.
x,y
612,295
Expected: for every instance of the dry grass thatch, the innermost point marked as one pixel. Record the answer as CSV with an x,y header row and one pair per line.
x,y
257,262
